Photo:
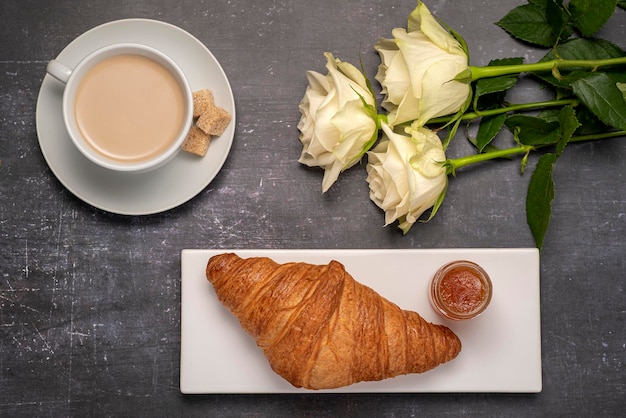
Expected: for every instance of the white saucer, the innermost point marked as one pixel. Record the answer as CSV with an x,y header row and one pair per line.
x,y
146,193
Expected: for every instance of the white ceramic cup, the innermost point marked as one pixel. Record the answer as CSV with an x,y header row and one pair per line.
x,y
72,78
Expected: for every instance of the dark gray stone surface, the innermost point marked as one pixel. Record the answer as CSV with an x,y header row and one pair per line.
x,y
90,301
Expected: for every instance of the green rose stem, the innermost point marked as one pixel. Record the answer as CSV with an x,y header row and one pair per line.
x,y
453,164
506,109
593,137
498,70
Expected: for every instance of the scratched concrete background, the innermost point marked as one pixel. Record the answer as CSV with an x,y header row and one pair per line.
x,y
90,301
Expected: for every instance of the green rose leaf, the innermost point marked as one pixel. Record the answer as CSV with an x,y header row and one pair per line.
x,y
589,123
618,78
559,18
494,85
550,115
589,16
601,95
568,124
529,130
622,88
490,93
584,49
534,23
539,198
488,129
486,86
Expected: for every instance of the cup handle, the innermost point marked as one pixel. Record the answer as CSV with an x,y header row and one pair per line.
x,y
59,71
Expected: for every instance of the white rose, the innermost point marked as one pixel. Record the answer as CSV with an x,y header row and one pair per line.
x,y
336,127
417,71
406,174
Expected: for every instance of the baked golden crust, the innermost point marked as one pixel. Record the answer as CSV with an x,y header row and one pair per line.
x,y
321,329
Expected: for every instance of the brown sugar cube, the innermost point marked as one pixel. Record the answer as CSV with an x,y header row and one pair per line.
x,y
197,141
202,102
215,121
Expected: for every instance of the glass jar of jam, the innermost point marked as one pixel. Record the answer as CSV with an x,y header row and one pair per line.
x,y
460,290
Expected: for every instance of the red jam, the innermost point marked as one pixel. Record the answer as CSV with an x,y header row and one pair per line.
x,y
460,290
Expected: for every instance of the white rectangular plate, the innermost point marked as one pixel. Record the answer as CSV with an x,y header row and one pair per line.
x,y
501,348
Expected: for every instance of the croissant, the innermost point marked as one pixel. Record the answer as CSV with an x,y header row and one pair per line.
x,y
321,329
